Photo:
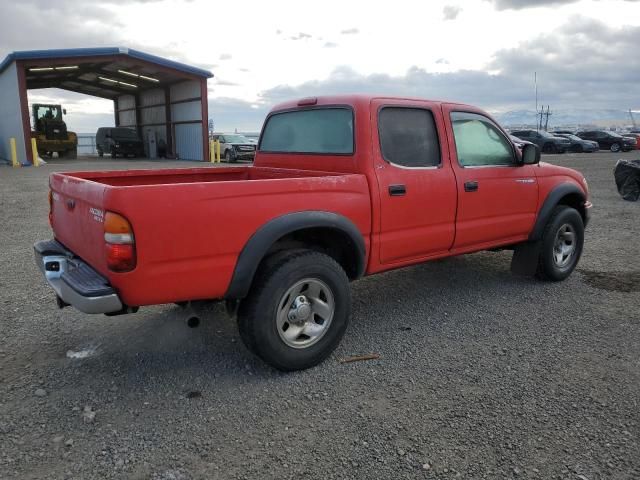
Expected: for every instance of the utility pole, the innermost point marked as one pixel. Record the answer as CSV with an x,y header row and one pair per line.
x,y
546,121
535,81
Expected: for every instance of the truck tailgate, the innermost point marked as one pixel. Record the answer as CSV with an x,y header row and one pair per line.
x,y
77,217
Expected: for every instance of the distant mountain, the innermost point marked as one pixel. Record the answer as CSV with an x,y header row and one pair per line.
x,y
567,117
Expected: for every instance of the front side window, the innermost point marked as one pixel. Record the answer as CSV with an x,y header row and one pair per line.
x,y
326,131
479,142
408,137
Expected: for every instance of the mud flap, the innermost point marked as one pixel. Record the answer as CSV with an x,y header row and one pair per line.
x,y
525,258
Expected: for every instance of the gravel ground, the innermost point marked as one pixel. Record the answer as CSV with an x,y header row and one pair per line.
x,y
480,375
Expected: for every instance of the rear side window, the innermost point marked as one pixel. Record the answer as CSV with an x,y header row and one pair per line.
x,y
408,137
326,131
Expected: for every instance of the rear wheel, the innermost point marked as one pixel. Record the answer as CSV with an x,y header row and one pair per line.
x,y
562,243
297,310
615,147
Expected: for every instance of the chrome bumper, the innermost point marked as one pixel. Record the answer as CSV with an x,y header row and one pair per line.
x,y
74,282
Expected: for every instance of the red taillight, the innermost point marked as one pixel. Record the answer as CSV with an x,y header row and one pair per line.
x,y
121,258
119,243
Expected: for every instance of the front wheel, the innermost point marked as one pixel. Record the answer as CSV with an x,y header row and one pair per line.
x,y
229,156
562,243
297,310
615,147
549,148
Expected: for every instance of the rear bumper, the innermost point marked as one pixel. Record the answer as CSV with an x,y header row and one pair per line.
x,y
75,282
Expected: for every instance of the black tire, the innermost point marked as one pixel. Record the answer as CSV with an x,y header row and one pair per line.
x,y
548,148
578,148
549,268
257,314
615,147
100,153
229,156
113,154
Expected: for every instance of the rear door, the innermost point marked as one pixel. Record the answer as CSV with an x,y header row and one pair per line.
x,y
497,196
416,185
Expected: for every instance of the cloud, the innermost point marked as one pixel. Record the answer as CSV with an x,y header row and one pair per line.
x,y
231,113
350,31
330,45
572,72
442,61
300,36
225,83
226,56
451,12
520,4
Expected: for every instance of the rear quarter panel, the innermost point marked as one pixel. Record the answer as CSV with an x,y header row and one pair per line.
x,y
189,236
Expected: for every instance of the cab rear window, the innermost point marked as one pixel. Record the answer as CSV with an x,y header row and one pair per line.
x,y
327,131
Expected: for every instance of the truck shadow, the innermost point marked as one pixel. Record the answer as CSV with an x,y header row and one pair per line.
x,y
157,343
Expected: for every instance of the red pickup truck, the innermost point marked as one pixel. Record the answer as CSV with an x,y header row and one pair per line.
x,y
341,187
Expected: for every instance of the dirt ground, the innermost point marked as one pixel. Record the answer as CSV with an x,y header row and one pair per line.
x,y
481,374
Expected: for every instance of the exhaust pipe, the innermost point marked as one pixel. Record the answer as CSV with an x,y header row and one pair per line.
x,y
193,321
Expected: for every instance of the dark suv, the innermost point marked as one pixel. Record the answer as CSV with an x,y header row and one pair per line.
x,y
548,143
609,140
118,141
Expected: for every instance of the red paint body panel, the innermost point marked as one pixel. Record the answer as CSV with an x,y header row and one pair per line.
x,y
190,225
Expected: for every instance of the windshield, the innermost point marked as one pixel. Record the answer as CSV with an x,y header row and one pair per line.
x,y
127,133
615,135
571,137
545,134
236,139
49,112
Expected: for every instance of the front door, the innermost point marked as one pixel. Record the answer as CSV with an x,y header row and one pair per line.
x,y
497,195
416,185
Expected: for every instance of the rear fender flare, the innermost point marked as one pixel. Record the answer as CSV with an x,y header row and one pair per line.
x,y
268,234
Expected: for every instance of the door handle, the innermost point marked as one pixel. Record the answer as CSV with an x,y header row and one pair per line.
x,y
471,186
397,190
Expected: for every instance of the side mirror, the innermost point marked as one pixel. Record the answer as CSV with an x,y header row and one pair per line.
x,y
64,111
530,154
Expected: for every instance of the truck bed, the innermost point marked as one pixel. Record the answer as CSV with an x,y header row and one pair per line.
x,y
132,178
191,224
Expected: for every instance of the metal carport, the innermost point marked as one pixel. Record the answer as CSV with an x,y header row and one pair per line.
x,y
161,98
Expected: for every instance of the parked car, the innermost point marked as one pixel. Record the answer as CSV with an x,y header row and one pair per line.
x,y
518,142
337,191
609,140
547,142
119,141
578,144
234,147
634,135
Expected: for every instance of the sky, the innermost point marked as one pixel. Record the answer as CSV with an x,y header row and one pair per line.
x,y
485,52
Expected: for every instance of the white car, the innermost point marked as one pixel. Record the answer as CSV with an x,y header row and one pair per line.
x,y
234,147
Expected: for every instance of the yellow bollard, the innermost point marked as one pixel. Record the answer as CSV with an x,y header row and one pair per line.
x,y
212,151
218,150
34,150
14,152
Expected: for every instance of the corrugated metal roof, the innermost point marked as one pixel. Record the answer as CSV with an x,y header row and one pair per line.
x,y
102,51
